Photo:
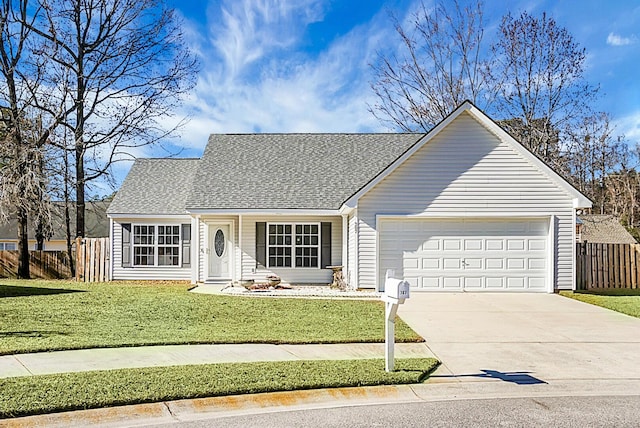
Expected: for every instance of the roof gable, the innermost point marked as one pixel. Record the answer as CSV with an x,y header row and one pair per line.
x,y
579,200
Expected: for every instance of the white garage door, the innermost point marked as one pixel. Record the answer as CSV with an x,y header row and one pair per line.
x,y
463,254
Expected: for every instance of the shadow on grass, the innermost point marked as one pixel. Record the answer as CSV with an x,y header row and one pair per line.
x,y
611,291
33,333
18,291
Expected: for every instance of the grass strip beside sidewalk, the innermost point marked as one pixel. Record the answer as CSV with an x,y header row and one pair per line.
x,y
32,395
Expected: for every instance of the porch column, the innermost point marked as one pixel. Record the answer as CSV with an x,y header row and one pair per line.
x,y
195,248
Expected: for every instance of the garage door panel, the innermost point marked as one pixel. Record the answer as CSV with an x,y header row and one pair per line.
x,y
537,264
537,245
473,244
515,244
515,264
473,282
451,263
494,264
506,254
537,283
494,282
431,244
431,282
494,244
515,282
472,263
428,264
451,244
452,282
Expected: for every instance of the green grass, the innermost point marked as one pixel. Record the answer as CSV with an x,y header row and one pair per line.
x,y
620,300
55,315
62,392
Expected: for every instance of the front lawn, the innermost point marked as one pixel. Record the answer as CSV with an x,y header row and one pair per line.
x,y
54,315
72,391
626,301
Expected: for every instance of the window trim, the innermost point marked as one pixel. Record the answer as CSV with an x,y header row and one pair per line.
x,y
293,244
155,245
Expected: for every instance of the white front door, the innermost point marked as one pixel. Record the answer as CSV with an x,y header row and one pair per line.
x,y
220,249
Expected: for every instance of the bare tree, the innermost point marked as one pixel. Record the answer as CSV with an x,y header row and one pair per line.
x,y
125,67
24,131
593,153
442,64
542,68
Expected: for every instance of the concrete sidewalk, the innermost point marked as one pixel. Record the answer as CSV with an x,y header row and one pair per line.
x,y
174,355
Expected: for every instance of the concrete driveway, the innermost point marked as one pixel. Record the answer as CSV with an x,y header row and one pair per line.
x,y
524,338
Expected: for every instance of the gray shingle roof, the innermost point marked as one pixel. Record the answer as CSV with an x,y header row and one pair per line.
x,y
290,171
604,229
155,186
95,219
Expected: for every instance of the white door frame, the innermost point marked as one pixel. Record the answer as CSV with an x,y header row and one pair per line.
x,y
231,249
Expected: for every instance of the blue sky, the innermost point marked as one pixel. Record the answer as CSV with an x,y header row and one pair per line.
x,y
303,65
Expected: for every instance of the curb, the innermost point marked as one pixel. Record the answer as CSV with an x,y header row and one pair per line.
x,y
269,402
200,408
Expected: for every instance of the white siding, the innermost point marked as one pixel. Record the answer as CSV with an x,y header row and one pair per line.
x,y
466,171
143,272
290,275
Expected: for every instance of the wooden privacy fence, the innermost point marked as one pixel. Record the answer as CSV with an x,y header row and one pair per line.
x,y
607,265
42,264
92,259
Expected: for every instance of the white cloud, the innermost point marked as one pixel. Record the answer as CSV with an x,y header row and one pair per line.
x,y
255,77
629,126
617,40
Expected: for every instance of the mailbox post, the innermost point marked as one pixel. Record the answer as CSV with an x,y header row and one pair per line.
x,y
395,293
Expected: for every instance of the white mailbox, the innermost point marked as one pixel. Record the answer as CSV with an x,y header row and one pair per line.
x,y
396,289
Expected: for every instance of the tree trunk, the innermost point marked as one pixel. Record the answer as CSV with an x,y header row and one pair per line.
x,y
79,146
79,192
23,244
67,216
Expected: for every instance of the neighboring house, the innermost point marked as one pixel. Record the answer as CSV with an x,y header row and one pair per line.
x,y
463,207
602,229
96,226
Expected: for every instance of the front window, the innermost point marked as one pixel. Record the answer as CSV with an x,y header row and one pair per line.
x,y
156,245
9,246
287,240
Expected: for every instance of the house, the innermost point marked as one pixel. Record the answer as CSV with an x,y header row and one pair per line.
x,y
96,226
463,207
602,229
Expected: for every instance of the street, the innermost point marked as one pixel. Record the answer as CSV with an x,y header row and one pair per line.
x,y
605,411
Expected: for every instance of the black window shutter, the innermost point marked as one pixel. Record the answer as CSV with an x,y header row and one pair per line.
x,y
126,244
325,250
186,245
261,244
